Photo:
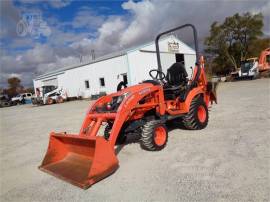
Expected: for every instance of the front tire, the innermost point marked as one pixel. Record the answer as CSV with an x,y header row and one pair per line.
x,y
154,136
50,101
121,139
197,117
107,131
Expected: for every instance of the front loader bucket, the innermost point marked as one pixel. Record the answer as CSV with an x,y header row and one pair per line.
x,y
81,161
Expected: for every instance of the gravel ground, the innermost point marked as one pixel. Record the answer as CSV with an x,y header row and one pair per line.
x,y
227,161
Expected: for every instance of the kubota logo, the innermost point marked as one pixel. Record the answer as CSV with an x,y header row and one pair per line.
x,y
146,90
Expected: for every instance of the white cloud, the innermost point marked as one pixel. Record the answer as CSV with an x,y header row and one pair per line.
x,y
110,31
108,38
15,75
31,63
9,17
39,54
59,3
265,10
59,62
86,17
145,14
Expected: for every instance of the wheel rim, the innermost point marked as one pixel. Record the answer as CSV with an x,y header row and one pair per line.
x,y
50,101
160,136
60,100
201,114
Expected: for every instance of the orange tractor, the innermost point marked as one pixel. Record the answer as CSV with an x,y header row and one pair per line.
x,y
143,109
264,60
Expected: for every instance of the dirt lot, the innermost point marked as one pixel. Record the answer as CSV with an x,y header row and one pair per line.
x,y
227,161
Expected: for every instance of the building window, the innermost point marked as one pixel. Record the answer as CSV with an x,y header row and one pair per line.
x,y
86,84
102,82
180,58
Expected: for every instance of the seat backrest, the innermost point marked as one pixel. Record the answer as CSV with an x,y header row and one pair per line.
x,y
177,74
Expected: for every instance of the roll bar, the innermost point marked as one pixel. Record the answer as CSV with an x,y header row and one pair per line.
x,y
172,30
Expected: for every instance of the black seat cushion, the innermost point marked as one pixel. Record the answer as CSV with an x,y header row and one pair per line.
x,y
176,81
177,74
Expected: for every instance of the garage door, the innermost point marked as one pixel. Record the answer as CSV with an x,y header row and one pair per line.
x,y
50,82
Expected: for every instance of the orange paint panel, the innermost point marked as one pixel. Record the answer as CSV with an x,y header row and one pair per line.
x,y
79,160
263,63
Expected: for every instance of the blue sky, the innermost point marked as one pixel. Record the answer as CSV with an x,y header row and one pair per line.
x,y
41,36
66,13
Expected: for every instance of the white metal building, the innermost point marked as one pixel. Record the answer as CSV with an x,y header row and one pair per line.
x,y
104,73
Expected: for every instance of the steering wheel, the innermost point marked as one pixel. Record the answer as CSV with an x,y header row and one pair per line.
x,y
156,75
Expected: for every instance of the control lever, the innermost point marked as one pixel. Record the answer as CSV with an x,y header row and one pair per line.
x,y
191,72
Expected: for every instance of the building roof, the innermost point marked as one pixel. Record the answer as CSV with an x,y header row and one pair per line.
x,y
99,59
62,70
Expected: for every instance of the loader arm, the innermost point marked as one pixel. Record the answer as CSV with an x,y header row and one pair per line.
x,y
94,118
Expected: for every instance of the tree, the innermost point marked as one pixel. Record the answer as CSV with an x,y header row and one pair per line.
x,y
14,86
29,90
229,42
255,48
14,82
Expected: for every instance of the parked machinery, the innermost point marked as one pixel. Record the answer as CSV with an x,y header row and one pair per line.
x,y
248,69
4,100
22,98
142,109
254,67
49,95
264,62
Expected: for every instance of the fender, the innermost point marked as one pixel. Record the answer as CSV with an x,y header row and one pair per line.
x,y
192,94
184,106
126,109
131,102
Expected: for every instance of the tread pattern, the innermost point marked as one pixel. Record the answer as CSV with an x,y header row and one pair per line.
x,y
191,120
147,136
107,131
120,139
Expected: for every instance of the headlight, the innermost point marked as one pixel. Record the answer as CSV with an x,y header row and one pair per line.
x,y
116,101
121,97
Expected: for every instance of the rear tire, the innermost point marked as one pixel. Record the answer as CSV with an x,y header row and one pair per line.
x,y
60,99
197,117
154,136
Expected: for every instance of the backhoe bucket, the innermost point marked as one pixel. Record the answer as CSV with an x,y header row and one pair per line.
x,y
81,161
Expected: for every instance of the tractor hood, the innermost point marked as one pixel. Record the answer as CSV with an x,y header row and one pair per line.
x,y
141,88
111,102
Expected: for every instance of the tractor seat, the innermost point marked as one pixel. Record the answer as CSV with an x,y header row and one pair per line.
x,y
176,81
176,74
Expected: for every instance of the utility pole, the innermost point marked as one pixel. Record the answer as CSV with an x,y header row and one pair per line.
x,y
93,54
81,59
